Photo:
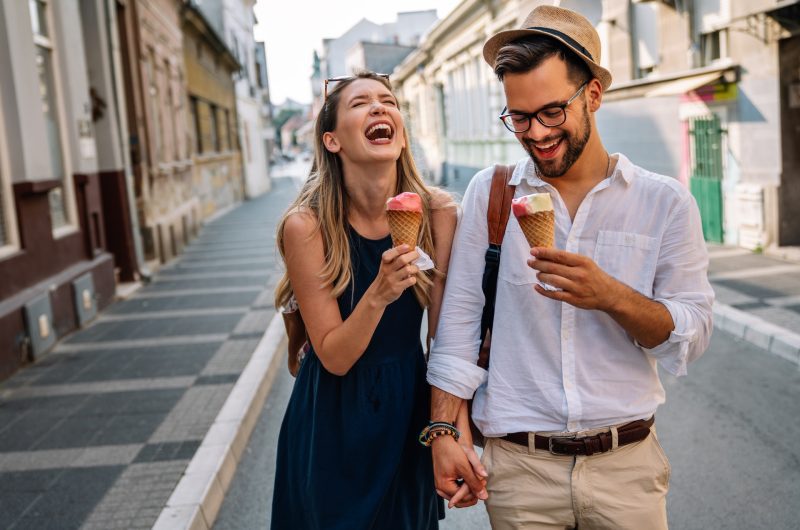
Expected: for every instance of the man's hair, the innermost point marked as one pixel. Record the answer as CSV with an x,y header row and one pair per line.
x,y
527,53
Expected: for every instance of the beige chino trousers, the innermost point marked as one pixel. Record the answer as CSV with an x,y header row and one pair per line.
x,y
625,488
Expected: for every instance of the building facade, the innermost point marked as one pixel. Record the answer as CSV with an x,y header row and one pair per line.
x,y
267,110
59,142
705,91
217,177
233,20
157,117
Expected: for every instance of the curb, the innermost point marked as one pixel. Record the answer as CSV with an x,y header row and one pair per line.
x,y
196,500
755,330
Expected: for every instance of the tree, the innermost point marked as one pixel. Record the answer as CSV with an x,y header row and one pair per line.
x,y
283,116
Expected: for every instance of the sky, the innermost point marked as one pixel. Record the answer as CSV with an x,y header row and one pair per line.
x,y
293,29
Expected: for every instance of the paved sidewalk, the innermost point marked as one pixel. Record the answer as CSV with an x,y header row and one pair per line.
x,y
98,433
758,299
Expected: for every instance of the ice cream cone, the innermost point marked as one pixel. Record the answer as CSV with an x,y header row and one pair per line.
x,y
536,218
539,228
404,226
404,213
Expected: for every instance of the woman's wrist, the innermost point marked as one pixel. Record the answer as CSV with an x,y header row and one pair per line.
x,y
374,301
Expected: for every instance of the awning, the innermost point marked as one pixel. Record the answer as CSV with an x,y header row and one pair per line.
x,y
684,85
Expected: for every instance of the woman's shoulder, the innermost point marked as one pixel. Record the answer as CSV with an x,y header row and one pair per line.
x,y
300,222
440,199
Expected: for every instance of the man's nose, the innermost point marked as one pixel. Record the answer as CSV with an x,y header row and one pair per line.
x,y
537,131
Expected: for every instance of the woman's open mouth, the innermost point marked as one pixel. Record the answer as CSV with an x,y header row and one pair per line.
x,y
380,133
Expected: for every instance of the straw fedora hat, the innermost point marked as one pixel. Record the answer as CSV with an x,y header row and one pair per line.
x,y
568,27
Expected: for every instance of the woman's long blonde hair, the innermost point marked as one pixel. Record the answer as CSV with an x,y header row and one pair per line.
x,y
325,196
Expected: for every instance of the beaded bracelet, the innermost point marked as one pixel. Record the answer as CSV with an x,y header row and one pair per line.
x,y
436,429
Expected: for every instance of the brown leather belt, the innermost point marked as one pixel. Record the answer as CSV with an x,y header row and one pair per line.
x,y
629,433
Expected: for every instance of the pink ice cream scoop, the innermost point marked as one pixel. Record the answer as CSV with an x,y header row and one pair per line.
x,y
407,201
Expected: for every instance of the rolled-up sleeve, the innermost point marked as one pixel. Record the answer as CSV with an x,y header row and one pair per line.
x,y
682,286
452,365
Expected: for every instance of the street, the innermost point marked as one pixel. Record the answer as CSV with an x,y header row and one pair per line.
x,y
149,151
729,429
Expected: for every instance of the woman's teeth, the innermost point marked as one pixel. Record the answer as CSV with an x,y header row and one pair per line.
x,y
379,130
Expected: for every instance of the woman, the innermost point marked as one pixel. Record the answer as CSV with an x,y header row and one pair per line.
x,y
347,453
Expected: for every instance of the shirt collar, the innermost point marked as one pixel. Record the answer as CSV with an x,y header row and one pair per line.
x,y
526,170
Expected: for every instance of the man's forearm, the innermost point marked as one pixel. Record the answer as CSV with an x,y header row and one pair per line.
x,y
444,406
647,321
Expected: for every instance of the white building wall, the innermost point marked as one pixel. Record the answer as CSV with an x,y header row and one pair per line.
x,y
648,131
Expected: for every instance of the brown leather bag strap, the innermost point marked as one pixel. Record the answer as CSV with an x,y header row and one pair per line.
x,y
497,213
499,209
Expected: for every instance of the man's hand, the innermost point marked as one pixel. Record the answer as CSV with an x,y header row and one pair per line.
x,y
587,286
583,283
455,478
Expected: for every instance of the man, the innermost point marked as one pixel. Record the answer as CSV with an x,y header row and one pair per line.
x,y
568,400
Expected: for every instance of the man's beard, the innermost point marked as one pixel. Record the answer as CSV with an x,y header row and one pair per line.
x,y
548,168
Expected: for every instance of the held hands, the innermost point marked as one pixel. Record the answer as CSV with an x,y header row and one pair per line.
x,y
395,275
583,283
460,477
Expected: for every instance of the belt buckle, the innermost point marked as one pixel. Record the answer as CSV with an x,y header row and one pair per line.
x,y
550,444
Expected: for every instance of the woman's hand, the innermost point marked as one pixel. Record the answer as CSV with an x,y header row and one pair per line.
x,y
395,275
464,498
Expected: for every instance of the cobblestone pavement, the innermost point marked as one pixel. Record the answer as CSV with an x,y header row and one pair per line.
x,y
97,434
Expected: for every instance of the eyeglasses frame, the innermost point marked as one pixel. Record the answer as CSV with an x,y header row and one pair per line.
x,y
530,115
345,78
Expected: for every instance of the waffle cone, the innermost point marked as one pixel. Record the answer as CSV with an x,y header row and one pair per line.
x,y
539,228
404,227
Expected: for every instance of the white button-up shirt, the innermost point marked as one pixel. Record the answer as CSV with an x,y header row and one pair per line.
x,y
555,367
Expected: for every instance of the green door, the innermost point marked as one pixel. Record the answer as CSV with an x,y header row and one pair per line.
x,y
705,182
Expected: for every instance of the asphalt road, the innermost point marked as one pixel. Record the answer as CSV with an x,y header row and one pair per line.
x,y
730,429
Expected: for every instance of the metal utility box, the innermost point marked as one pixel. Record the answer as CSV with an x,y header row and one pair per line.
x,y
39,321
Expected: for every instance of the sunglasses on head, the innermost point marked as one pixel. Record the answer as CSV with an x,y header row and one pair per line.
x,y
345,78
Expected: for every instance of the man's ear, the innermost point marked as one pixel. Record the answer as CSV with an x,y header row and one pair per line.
x,y
594,94
331,143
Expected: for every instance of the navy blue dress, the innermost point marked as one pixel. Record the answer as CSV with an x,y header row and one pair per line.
x,y
348,455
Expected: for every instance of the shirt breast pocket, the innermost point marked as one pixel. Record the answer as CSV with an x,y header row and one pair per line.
x,y
628,257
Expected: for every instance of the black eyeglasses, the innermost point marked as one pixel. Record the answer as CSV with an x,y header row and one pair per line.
x,y
346,78
520,122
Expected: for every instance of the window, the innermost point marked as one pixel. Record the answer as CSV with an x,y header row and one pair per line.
x,y
154,104
198,134
247,142
48,93
227,128
214,126
646,44
713,46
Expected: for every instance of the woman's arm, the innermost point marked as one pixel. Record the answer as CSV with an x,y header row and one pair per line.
x,y
444,218
339,344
